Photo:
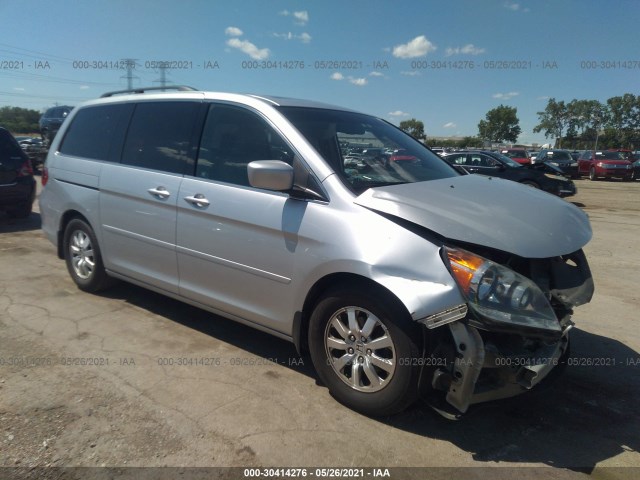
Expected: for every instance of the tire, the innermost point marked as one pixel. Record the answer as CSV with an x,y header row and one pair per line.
x,y
530,183
22,211
592,174
384,379
83,258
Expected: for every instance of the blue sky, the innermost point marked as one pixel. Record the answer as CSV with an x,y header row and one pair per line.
x,y
394,59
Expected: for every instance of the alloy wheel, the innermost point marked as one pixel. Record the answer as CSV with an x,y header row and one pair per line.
x,y
360,349
82,256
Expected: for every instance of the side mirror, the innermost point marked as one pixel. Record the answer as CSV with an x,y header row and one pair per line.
x,y
270,175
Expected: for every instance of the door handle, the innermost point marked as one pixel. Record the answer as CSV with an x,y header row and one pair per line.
x,y
199,200
160,192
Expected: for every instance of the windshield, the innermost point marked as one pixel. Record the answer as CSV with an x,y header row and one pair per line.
x,y
559,156
507,160
515,153
611,155
365,151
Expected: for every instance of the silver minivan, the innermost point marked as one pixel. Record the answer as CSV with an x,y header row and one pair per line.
x,y
402,279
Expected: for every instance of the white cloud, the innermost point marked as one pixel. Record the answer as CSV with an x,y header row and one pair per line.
x,y
418,47
449,125
19,89
512,6
505,96
376,74
411,73
304,37
249,48
233,32
360,82
284,36
398,113
84,87
301,17
543,97
469,49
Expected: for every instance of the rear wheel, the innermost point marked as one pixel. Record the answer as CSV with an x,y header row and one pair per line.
x,y
363,345
82,254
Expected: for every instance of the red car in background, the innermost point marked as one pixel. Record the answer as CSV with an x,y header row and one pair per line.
x,y
604,164
401,155
627,154
520,155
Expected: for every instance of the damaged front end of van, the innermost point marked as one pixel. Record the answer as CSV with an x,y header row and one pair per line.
x,y
519,276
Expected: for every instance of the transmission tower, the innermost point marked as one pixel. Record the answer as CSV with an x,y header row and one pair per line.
x,y
131,65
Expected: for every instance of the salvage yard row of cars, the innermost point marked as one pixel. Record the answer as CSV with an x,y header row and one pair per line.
x,y
401,274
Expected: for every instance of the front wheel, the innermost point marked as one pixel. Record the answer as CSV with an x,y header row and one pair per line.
x,y
364,347
82,255
592,174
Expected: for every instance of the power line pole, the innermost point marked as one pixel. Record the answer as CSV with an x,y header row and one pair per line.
x,y
131,65
163,74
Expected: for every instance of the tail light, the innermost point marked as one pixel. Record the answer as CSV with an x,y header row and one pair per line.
x,y
45,176
25,169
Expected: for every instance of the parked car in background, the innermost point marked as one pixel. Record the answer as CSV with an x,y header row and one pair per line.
x,y
547,178
635,170
17,185
402,155
561,159
626,154
575,154
51,121
520,155
402,281
34,147
604,164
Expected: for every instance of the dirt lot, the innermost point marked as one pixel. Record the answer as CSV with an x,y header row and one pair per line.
x,y
90,381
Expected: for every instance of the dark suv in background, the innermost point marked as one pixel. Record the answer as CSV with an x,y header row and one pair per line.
x,y
17,185
561,159
51,120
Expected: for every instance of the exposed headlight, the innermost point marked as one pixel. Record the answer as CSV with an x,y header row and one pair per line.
x,y
574,164
600,164
498,295
556,164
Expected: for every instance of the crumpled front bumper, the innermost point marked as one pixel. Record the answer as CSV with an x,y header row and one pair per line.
x,y
483,371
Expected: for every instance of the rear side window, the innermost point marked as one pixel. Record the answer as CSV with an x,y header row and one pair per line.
x,y
159,136
9,147
92,132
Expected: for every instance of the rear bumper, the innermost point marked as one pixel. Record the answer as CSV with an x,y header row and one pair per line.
x,y
18,193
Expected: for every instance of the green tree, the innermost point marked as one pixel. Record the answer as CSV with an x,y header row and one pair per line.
x,y
554,120
19,120
413,127
500,124
623,118
470,142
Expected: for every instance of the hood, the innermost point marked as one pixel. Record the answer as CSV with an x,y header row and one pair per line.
x,y
547,167
487,211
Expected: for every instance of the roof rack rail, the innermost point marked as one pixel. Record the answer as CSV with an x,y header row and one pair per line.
x,y
180,88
